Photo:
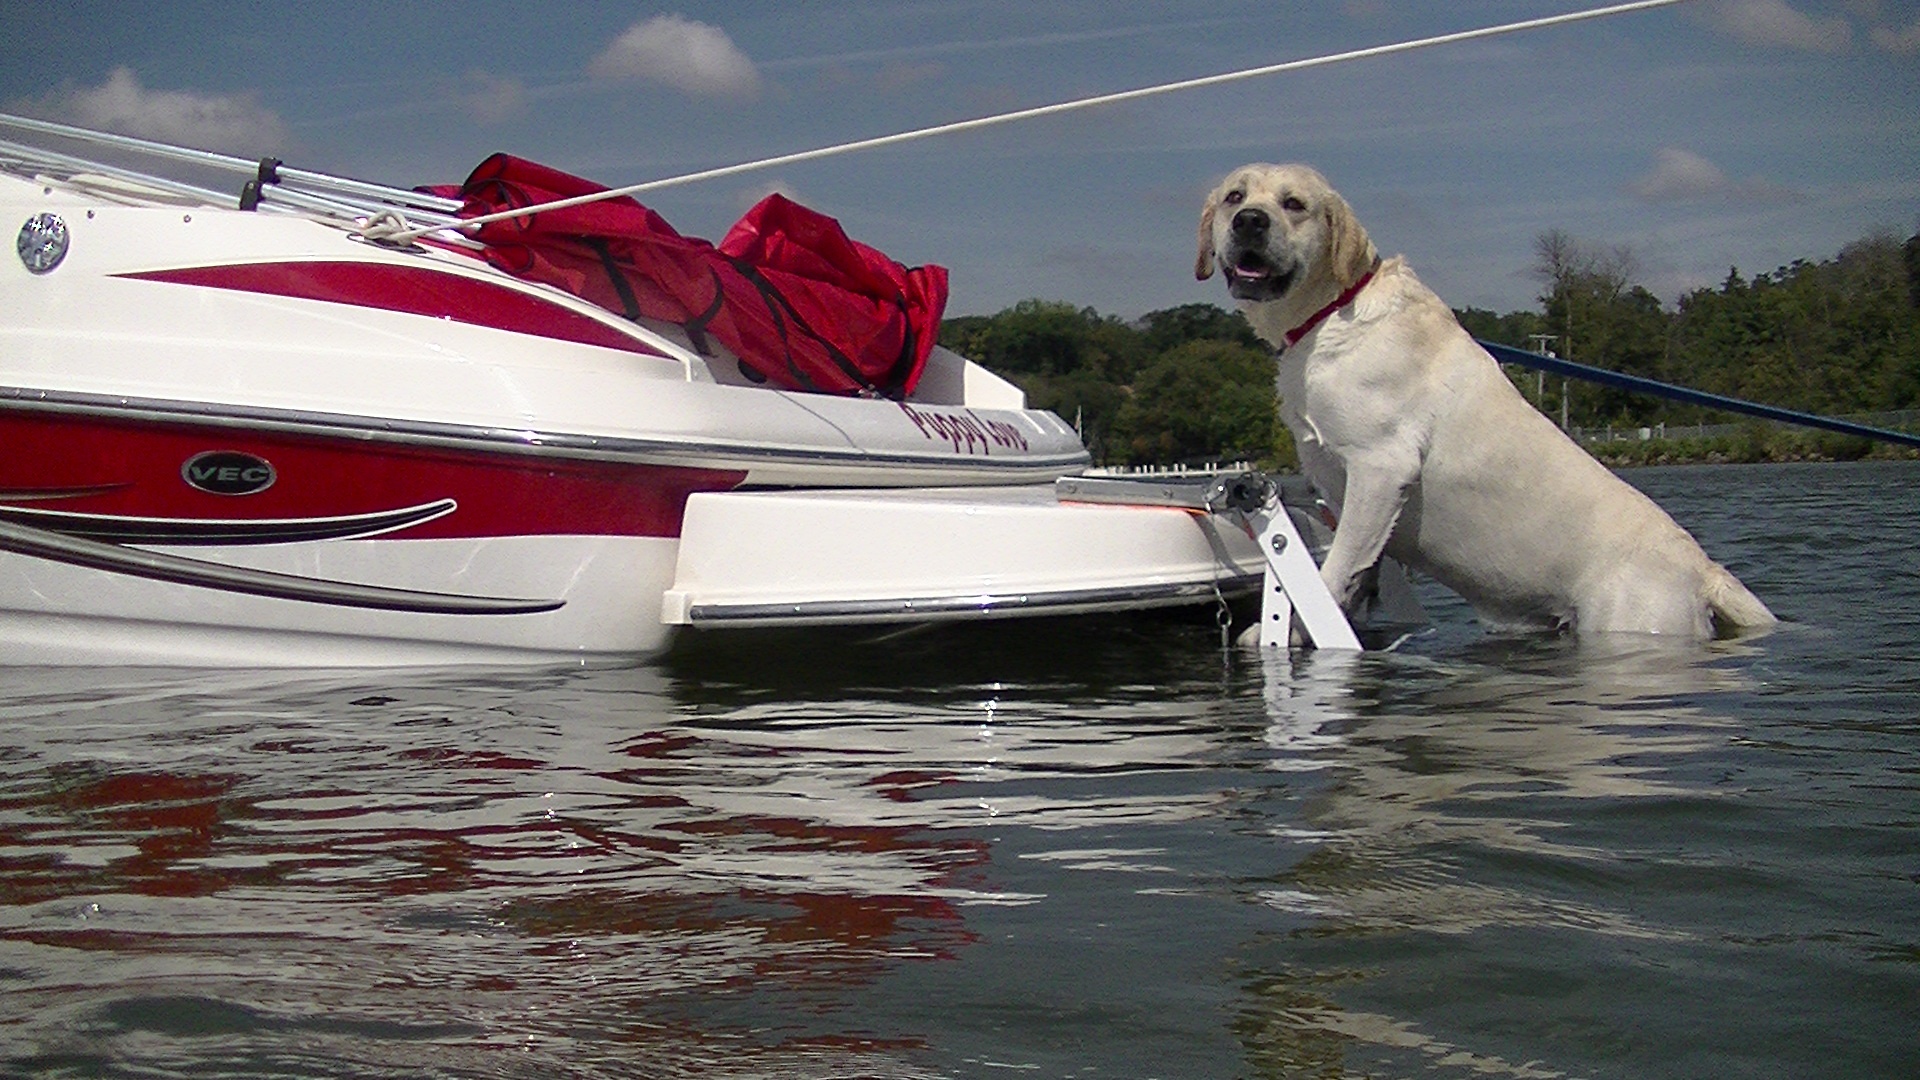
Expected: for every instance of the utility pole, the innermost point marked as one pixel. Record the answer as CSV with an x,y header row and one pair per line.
x,y
1542,344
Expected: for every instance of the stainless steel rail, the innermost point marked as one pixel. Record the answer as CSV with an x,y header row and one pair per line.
x,y
300,189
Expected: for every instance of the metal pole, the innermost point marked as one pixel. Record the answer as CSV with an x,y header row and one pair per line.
x,y
207,158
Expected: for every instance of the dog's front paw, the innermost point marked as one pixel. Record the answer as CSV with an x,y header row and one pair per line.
x,y
1345,590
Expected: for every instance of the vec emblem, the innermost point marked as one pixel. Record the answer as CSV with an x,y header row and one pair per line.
x,y
227,472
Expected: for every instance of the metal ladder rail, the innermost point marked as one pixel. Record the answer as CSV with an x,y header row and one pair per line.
x,y
1294,587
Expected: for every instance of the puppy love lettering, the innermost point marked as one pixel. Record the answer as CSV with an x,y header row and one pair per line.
x,y
965,432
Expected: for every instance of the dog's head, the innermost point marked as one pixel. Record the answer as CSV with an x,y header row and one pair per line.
x,y
1281,233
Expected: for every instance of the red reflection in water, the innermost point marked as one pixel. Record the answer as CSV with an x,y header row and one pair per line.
x,y
168,819
192,834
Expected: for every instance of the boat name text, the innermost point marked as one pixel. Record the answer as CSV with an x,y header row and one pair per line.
x,y
966,432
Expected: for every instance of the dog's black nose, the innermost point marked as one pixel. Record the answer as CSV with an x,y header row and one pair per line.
x,y
1250,222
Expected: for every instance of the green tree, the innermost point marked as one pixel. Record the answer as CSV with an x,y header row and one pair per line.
x,y
1071,361
1082,398
1911,256
1599,317
1516,328
1833,337
1040,337
1176,326
1205,400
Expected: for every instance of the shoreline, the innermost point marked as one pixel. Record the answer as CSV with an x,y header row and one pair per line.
x,y
1757,444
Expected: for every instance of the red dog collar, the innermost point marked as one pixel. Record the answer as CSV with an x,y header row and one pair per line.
x,y
1339,302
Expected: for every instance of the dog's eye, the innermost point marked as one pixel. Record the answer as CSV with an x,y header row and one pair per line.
x,y
1233,198
1292,205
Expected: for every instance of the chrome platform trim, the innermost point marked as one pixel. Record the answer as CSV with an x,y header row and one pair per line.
x,y
979,606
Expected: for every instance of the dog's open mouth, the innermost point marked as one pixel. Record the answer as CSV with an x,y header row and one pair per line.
x,y
1253,276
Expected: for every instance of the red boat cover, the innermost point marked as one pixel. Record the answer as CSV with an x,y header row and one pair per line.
x,y
786,290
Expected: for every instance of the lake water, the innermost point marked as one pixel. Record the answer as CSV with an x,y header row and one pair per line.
x,y
1096,849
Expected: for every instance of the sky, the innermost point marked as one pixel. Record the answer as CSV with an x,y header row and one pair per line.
x,y
1711,135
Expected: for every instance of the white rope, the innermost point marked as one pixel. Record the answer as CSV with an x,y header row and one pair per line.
x,y
1052,110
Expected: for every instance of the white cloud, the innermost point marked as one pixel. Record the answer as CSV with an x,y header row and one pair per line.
x,y
1680,175
1775,22
227,122
494,98
692,57
1903,41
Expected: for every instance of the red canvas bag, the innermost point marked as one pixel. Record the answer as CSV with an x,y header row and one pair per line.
x,y
801,304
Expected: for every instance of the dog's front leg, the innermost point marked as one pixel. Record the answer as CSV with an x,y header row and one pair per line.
x,y
1369,511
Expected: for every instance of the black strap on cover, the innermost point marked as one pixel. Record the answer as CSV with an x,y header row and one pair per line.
x,y
777,306
620,284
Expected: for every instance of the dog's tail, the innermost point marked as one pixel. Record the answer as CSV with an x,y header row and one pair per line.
x,y
1734,607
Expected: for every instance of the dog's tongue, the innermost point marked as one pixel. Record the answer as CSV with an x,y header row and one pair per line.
x,y
1250,270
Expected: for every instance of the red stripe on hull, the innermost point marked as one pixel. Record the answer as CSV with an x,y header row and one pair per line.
x,y
413,290
92,465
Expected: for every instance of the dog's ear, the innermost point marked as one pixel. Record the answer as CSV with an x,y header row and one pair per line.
x,y
1203,262
1350,252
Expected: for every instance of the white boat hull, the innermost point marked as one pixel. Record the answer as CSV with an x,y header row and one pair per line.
x,y
245,438
609,588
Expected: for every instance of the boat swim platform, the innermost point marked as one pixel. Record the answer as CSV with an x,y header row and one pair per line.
x,y
1084,545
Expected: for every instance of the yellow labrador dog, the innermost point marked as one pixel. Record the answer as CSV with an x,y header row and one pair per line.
x,y
1425,448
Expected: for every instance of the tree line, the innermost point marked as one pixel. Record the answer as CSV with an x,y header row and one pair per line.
x,y
1184,385
1192,383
